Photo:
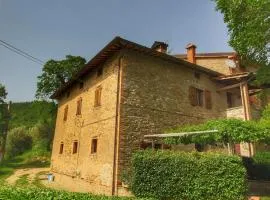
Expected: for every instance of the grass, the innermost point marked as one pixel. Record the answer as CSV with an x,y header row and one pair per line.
x,y
22,181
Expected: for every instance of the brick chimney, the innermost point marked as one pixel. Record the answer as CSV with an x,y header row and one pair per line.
x,y
160,46
191,53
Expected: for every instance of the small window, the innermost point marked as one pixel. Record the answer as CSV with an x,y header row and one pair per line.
x,y
100,71
75,147
208,99
196,96
197,75
66,113
81,85
98,96
68,94
79,107
61,150
229,100
94,146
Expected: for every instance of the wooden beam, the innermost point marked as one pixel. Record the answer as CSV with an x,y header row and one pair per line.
x,y
229,87
179,134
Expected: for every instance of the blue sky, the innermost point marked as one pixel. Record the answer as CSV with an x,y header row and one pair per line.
x,y
52,29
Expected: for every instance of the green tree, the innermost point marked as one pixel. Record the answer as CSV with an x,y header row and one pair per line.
x,y
248,22
56,73
3,93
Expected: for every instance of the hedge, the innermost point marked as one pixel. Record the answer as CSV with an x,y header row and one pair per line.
x,y
15,193
188,176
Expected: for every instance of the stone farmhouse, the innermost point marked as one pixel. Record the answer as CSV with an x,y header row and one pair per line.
x,y
127,91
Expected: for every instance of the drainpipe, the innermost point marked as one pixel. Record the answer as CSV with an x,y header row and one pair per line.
x,y
117,125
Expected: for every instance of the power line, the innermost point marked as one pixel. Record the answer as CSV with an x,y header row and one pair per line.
x,y
21,52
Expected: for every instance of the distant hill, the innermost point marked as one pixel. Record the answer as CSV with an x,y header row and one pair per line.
x,y
30,113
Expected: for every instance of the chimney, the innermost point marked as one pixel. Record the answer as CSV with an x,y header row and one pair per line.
x,y
160,46
191,53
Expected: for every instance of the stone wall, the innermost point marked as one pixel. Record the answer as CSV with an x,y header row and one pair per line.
x,y
236,113
92,171
155,98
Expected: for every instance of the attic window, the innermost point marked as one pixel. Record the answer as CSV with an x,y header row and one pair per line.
x,y
94,145
66,113
68,94
100,71
75,147
61,150
79,107
98,96
81,85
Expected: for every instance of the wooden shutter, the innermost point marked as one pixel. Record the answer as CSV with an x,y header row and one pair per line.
x,y
208,99
98,96
193,96
66,113
79,107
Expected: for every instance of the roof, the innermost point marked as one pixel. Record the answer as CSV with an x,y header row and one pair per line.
x,y
115,46
208,55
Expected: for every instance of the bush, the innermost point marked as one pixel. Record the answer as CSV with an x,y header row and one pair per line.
x,y
18,141
12,193
189,176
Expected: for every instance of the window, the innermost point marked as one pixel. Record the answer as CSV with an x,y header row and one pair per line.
x,y
195,96
79,107
66,113
197,75
81,85
68,94
94,146
100,71
98,96
229,100
75,147
208,99
61,148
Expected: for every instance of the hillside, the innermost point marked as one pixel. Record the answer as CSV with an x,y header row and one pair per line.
x,y
29,114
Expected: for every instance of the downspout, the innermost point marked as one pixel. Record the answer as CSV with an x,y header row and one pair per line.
x,y
117,125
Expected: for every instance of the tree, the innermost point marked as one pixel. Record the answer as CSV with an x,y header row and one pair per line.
x,y
248,22
3,93
55,73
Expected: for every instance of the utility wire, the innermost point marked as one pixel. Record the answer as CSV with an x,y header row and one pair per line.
x,y
21,52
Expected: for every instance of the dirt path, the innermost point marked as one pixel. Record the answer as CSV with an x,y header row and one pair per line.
x,y
31,172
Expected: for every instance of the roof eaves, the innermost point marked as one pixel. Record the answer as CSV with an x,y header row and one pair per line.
x,y
115,45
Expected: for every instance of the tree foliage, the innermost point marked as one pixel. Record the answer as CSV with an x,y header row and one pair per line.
x,y
229,131
18,141
56,73
248,22
28,114
3,93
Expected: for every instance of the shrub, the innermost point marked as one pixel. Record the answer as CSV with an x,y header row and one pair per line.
x,y
12,193
189,176
18,141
